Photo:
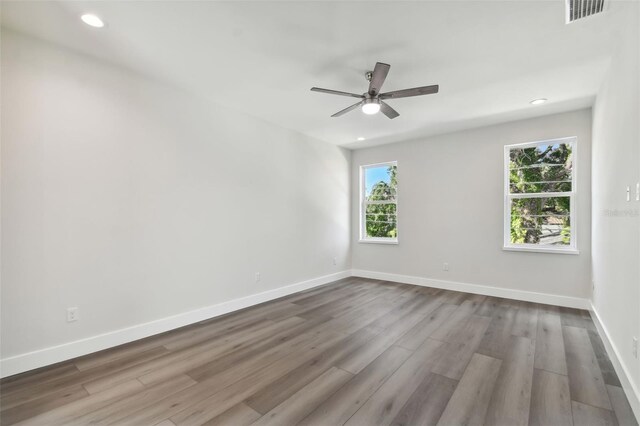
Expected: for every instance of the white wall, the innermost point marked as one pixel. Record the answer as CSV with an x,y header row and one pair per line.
x,y
135,201
450,209
616,222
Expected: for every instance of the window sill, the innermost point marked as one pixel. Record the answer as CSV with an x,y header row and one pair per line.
x,y
378,241
542,249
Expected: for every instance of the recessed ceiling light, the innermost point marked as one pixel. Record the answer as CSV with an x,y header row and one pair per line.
x,y
92,20
538,101
360,138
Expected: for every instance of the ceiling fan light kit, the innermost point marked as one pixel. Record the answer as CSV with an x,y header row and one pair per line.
x,y
371,106
372,102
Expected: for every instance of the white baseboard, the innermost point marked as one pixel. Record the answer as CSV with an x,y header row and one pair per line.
x,y
630,388
40,358
528,296
47,356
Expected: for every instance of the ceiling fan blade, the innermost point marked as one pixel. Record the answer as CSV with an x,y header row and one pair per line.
x,y
336,92
406,93
388,111
347,109
377,78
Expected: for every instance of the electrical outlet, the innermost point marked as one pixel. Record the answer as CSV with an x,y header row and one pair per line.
x,y
72,314
257,277
445,266
335,260
638,191
634,347
628,194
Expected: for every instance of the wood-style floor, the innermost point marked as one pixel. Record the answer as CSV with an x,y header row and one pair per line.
x,y
355,352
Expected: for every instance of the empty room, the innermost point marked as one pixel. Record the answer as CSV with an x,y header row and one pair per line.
x,y
320,212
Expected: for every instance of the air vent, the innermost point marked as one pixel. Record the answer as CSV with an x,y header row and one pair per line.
x,y
579,9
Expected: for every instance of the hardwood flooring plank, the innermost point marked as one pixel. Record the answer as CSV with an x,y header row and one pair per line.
x,y
301,403
39,376
415,307
468,404
240,363
550,400
365,315
68,383
453,297
65,414
325,297
41,405
342,305
188,356
606,367
457,319
236,325
488,307
576,318
284,387
510,402
204,334
275,334
383,406
346,401
461,347
115,355
587,415
356,361
238,415
548,309
218,393
425,328
526,321
621,408
118,411
585,379
495,341
550,354
427,403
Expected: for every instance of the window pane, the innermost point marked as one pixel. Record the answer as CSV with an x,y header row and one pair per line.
x,y
544,168
536,187
543,221
380,183
380,221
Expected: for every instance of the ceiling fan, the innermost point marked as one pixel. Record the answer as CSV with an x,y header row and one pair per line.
x,y
372,101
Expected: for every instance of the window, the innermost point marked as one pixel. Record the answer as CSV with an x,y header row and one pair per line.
x,y
540,192
379,203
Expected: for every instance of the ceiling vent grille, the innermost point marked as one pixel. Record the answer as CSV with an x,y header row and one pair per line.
x,y
579,9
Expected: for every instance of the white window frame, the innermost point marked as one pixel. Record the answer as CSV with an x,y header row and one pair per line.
x,y
572,248
363,207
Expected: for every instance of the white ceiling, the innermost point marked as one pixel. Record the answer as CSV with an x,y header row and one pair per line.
x,y
490,58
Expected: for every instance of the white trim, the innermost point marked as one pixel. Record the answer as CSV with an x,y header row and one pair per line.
x,y
630,388
528,296
40,358
531,144
540,249
378,240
